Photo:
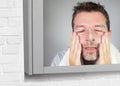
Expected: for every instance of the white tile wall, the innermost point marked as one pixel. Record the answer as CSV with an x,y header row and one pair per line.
x,y
3,22
12,60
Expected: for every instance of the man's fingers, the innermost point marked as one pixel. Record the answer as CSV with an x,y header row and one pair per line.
x,y
106,47
72,43
101,58
105,50
77,47
74,56
102,50
103,47
107,44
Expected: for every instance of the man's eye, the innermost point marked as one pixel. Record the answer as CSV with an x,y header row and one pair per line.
x,y
81,31
98,30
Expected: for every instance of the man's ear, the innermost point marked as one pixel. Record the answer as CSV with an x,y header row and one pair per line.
x,y
110,32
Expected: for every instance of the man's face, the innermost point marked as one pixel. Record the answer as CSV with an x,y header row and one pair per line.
x,y
90,26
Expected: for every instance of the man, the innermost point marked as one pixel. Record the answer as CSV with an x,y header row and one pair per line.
x,y
90,41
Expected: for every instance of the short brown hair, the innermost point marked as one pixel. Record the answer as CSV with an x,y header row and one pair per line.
x,y
88,7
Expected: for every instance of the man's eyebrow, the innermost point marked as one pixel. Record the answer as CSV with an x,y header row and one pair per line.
x,y
78,26
102,26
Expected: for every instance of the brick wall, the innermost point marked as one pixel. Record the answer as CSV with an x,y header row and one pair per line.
x,y
11,42
11,55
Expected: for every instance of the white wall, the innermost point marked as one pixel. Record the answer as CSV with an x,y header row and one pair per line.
x,y
11,56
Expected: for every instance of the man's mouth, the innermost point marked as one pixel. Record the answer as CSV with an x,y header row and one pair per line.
x,y
90,49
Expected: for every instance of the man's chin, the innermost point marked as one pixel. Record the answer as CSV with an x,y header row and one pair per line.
x,y
89,57
89,60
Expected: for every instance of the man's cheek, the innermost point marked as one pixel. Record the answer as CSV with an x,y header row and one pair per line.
x,y
99,39
82,40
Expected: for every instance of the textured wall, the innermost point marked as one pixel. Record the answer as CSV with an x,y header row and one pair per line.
x,y
11,56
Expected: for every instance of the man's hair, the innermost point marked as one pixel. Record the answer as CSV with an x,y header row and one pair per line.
x,y
90,7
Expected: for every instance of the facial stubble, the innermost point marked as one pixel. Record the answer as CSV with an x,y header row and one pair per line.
x,y
85,61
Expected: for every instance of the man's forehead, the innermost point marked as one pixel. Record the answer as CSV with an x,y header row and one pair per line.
x,y
89,12
96,25
90,16
90,19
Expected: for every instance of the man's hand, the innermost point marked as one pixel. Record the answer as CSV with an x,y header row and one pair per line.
x,y
104,49
75,50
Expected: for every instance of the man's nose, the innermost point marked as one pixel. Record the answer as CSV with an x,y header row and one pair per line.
x,y
90,36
